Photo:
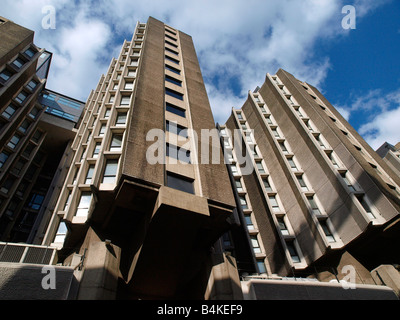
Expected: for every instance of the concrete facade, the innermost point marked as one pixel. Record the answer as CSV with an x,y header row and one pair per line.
x,y
319,198
145,231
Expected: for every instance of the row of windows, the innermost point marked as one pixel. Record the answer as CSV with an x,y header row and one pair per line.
x,y
243,201
181,154
346,177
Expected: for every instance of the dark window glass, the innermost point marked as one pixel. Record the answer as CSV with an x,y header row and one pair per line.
x,y
174,94
175,110
180,183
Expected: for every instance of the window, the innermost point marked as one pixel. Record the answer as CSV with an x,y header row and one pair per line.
x,y
177,129
107,113
24,126
171,44
102,130
84,204
275,133
366,207
14,141
9,111
293,251
283,148
292,164
34,113
36,136
121,119
30,52
125,100
313,204
67,201
268,119
234,168
327,231
266,183
110,171
178,153
83,154
349,185
116,142
239,115
32,85
112,99
96,150
18,63
260,167
175,110
172,69
320,142
36,201
169,37
180,183
239,186
7,185
333,160
302,183
243,202
61,233
21,97
173,80
131,73
171,51
249,222
3,158
282,226
128,85
255,244
274,203
89,175
261,266
172,60
5,75
174,94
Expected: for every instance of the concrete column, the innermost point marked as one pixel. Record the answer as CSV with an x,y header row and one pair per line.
x,y
101,270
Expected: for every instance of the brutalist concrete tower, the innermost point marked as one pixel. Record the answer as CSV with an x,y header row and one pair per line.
x,y
319,198
139,211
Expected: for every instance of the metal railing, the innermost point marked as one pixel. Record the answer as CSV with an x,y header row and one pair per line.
x,y
26,253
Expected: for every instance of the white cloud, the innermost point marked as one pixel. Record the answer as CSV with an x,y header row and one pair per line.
x,y
384,128
383,111
237,43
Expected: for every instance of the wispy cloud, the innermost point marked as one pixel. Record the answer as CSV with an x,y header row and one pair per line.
x,y
382,114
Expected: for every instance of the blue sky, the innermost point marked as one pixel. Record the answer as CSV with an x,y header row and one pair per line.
x,y
237,43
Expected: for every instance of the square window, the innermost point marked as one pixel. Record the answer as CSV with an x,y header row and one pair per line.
x,y
5,75
116,142
18,63
125,100
14,141
110,171
9,111
180,183
121,119
84,204
21,97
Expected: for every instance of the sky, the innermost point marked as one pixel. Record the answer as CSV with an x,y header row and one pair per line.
x,y
238,42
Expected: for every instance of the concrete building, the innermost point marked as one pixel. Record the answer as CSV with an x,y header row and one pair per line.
x,y
33,137
128,196
141,211
320,201
391,155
